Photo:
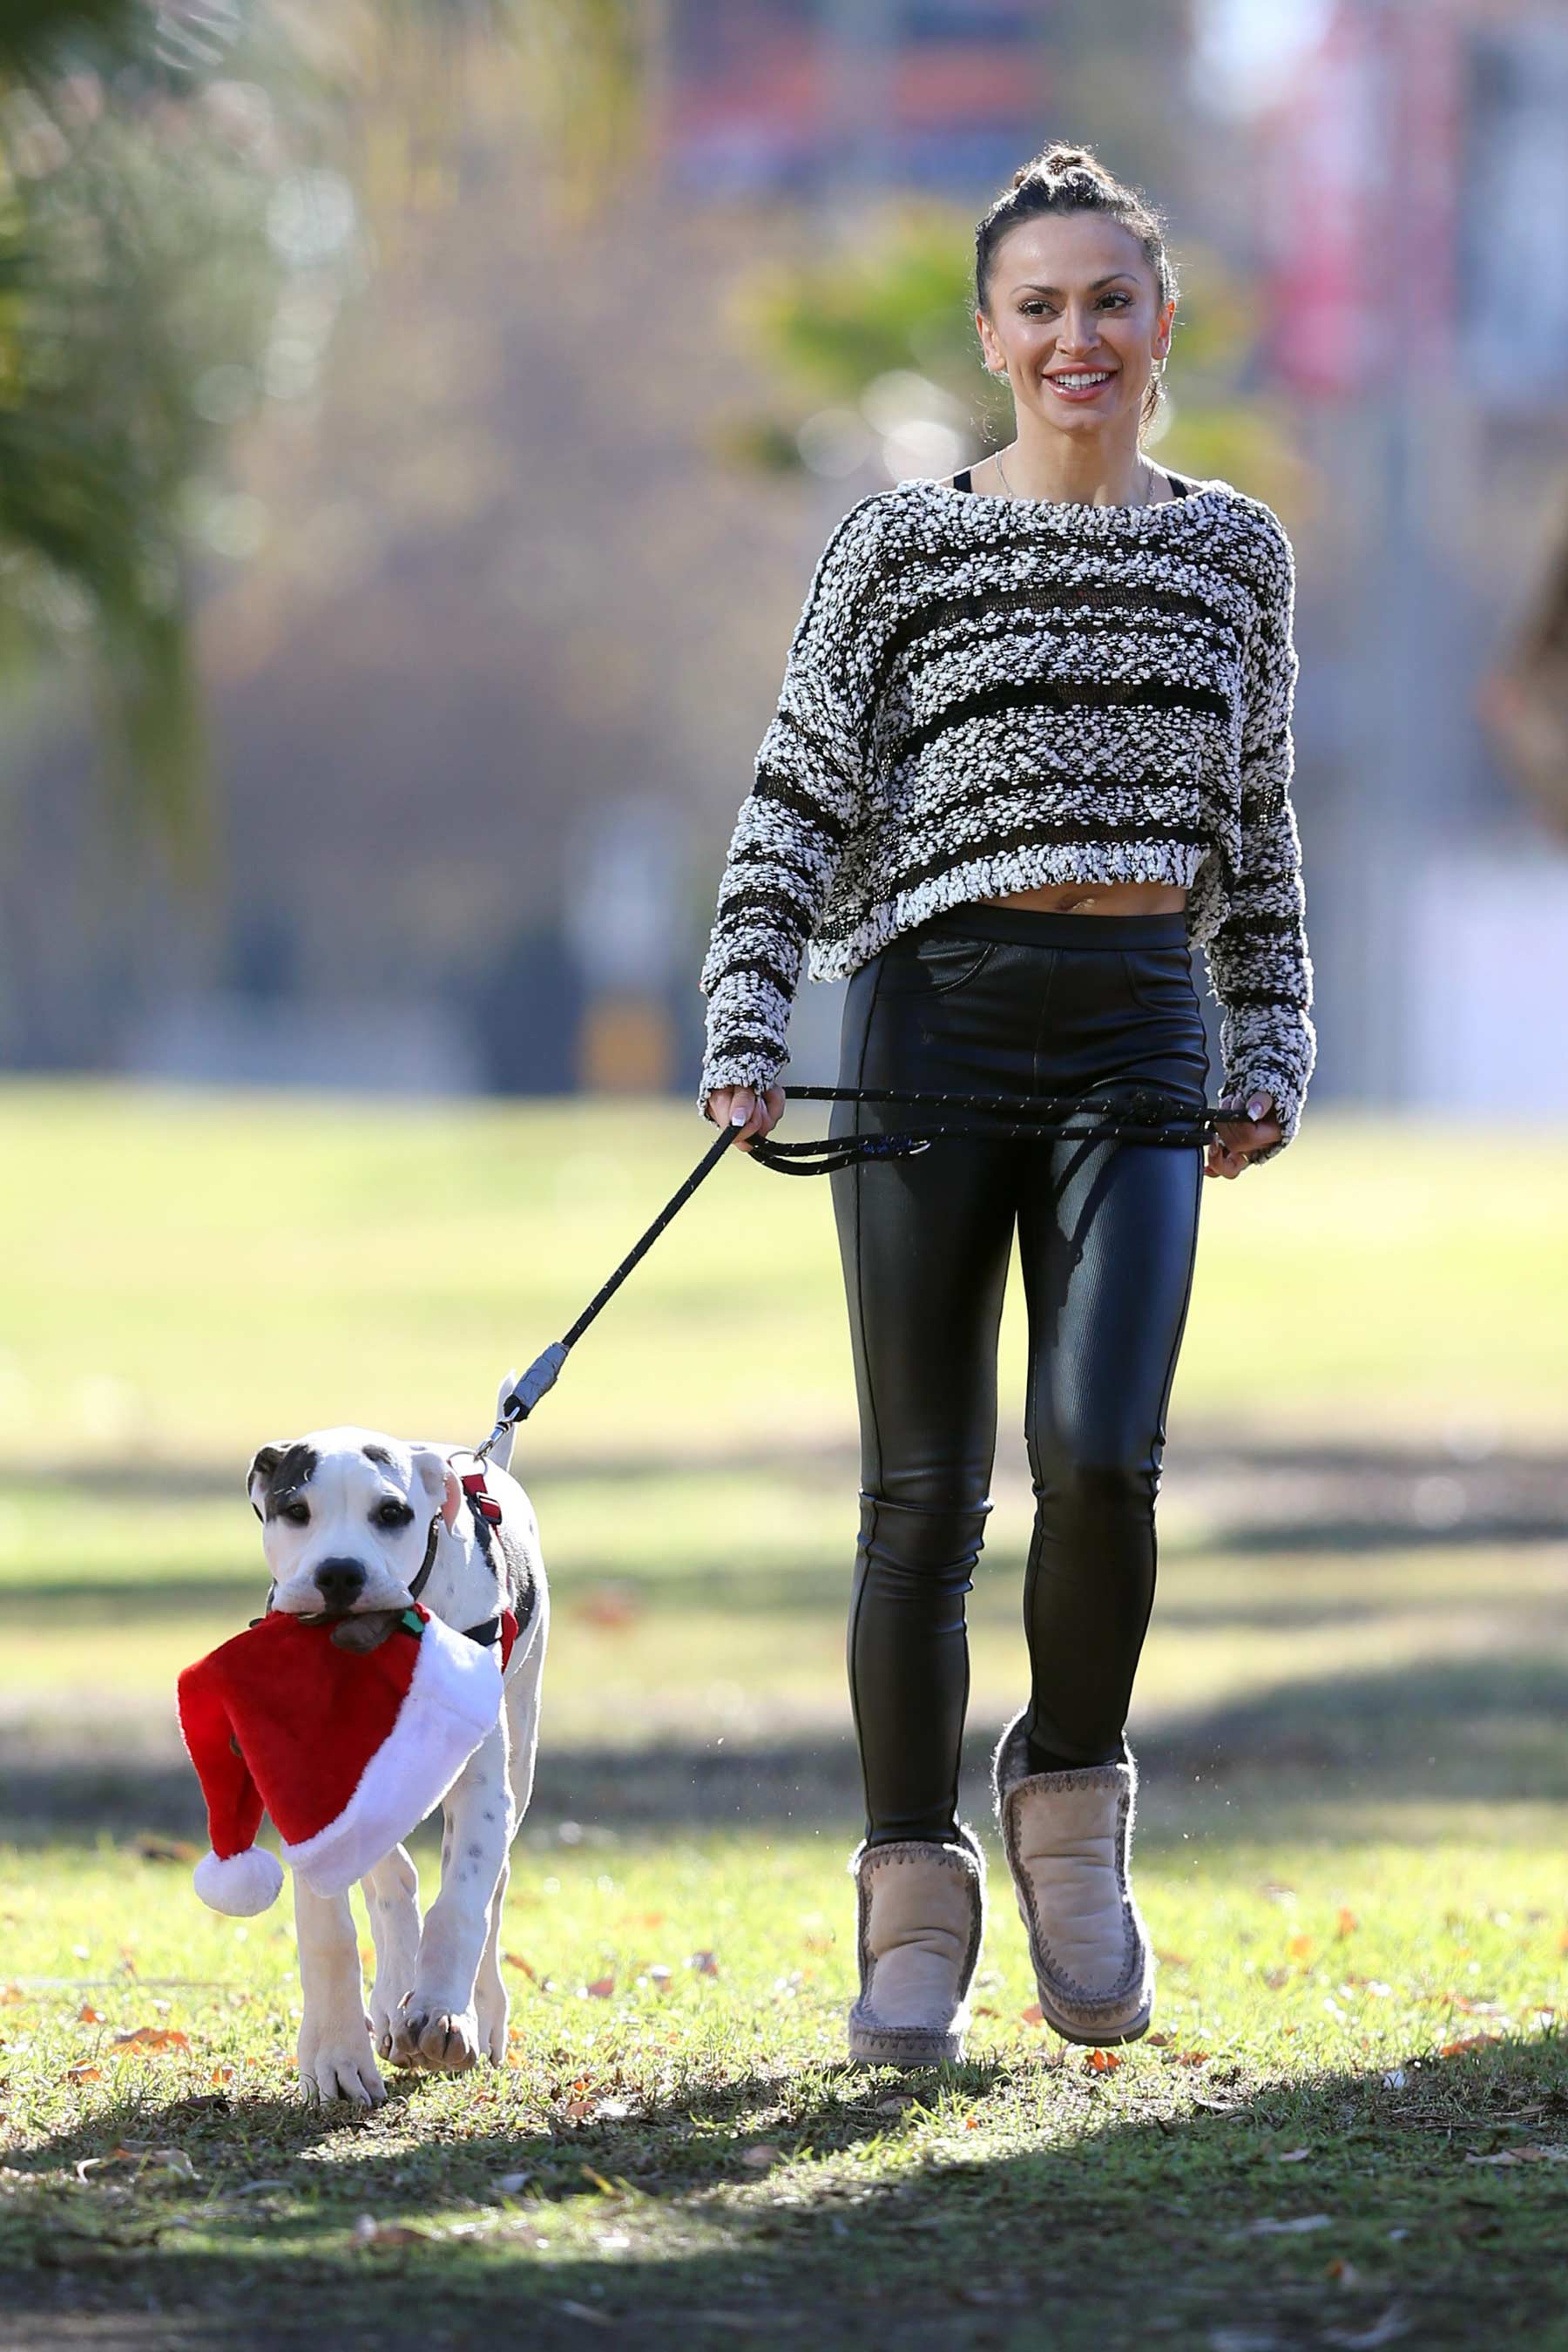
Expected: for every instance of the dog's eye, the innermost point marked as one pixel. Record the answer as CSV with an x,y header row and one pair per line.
x,y
297,1514
392,1514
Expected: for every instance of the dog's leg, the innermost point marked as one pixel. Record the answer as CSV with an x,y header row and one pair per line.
x,y
392,1891
336,2061
439,2026
493,2003
492,2007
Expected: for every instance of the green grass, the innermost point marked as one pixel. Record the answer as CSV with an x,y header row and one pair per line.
x,y
1350,1721
680,2153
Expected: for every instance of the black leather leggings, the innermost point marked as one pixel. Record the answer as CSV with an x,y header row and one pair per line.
x,y
1011,999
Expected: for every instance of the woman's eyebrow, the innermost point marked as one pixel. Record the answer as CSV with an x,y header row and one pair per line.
x,y
1034,284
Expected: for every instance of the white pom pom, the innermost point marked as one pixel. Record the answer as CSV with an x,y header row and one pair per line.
x,y
241,1885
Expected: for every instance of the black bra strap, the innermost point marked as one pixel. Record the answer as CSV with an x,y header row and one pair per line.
x,y
963,482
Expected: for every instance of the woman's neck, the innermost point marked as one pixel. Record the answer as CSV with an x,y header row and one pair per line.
x,y
1064,471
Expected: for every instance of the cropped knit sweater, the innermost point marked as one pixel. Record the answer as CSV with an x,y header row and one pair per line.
x,y
983,695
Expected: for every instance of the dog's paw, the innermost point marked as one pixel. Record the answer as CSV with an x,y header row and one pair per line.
x,y
492,2014
446,2041
340,2066
384,2022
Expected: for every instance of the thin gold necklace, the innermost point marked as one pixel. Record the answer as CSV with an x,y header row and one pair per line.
x,y
1012,493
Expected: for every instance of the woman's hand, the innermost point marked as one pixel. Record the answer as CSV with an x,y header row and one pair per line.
x,y
742,1107
1239,1138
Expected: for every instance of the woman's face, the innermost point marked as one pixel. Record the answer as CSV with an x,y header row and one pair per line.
x,y
1071,294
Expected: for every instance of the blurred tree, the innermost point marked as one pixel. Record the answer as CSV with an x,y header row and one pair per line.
x,y
883,330
181,187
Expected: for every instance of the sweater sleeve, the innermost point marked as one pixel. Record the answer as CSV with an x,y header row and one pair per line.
x,y
790,834
1259,959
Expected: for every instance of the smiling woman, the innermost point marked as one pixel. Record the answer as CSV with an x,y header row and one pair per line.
x,y
1032,746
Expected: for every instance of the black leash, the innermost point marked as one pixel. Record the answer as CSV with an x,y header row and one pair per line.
x,y
1127,1114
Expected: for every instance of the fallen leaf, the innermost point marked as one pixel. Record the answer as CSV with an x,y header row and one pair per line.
x,y
1159,2041
87,2015
152,2037
1192,2057
1347,1925
11,1994
1101,2062
600,1989
84,2073
579,2110
387,2236
1033,2015
1293,2155
1471,2042
516,1960
1299,1947
704,1963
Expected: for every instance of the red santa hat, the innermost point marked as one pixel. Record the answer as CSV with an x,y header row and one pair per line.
x,y
347,1750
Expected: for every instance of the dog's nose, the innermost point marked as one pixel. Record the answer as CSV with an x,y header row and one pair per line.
x,y
340,1582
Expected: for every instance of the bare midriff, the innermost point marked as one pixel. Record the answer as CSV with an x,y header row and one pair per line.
x,y
1097,897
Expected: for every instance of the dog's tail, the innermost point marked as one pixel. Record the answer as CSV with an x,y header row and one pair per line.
x,y
501,1457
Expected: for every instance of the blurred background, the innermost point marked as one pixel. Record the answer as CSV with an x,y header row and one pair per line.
x,y
418,427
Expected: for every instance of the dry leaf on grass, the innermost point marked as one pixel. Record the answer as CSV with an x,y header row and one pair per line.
x,y
516,1960
87,2015
1101,2061
600,1989
386,2237
152,2037
704,1963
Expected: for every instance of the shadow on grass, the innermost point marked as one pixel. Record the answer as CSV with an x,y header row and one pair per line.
x,y
1486,1728
1349,2207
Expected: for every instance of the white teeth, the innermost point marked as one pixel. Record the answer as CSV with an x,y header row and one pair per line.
x,y
1076,382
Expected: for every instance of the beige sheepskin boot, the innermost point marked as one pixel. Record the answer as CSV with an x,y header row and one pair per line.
x,y
921,1916
1066,1837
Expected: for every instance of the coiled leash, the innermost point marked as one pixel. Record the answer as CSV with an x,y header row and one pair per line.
x,y
1130,1114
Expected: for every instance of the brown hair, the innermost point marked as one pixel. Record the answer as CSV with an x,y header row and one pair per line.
x,y
1062,179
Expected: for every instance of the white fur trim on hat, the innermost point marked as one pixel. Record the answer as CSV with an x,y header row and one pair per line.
x,y
240,1884
453,1703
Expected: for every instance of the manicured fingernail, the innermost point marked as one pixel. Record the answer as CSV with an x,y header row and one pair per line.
x,y
1255,1107
738,1117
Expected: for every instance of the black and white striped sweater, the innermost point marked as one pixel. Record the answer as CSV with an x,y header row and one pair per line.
x,y
985,694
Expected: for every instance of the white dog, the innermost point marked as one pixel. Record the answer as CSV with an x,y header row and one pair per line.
x,y
350,1519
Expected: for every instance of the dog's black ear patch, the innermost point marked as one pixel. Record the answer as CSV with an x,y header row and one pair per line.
x,y
282,1469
